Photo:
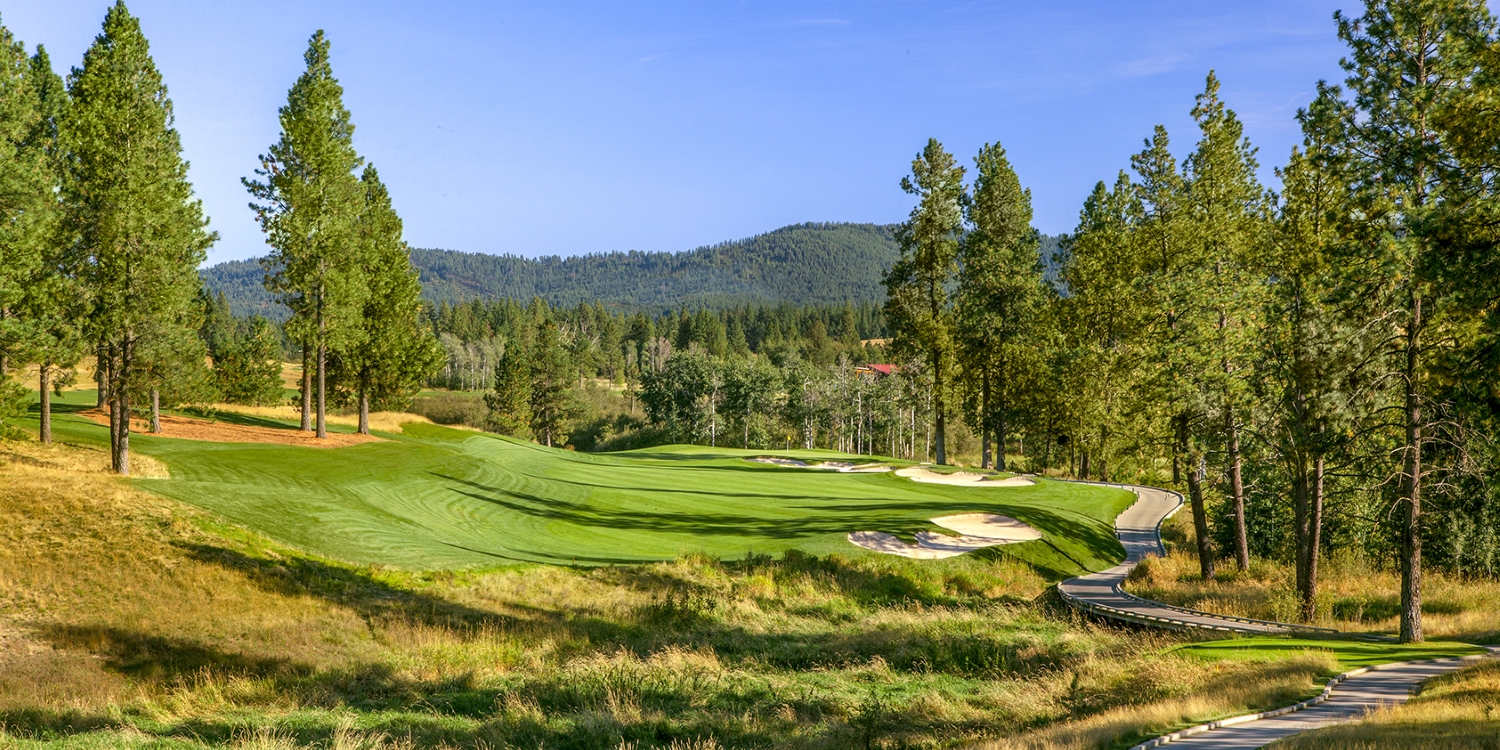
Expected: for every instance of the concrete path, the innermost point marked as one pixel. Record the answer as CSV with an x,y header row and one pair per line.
x,y
1138,528
1351,699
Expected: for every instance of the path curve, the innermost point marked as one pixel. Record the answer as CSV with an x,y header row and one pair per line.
x,y
1139,530
1348,697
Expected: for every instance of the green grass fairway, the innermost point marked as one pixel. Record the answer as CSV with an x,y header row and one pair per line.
x,y
436,497
1351,654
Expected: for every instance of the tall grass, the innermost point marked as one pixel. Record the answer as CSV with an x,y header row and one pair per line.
x,y
1355,594
131,620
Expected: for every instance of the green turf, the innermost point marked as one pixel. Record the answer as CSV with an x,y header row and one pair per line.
x,y
1350,654
435,497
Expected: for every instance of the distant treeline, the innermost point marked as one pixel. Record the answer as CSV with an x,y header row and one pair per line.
x,y
803,264
616,345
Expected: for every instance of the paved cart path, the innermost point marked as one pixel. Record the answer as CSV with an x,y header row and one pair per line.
x,y
1102,594
1138,529
1351,700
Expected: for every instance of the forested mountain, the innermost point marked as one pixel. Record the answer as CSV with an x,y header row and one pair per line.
x,y
824,263
804,264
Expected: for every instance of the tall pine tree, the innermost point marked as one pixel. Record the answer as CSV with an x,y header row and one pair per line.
x,y
309,205
128,206
917,306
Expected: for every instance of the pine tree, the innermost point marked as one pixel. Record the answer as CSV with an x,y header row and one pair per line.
x,y
25,213
1409,68
309,206
917,284
1307,353
551,404
1230,223
395,353
509,403
1000,293
247,365
128,206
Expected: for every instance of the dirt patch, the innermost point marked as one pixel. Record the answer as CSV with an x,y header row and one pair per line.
x,y
188,428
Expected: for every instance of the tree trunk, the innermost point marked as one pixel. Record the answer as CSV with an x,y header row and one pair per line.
x,y
101,375
940,421
322,393
364,413
1411,536
306,388
1237,494
1200,524
155,411
1314,542
1001,436
119,374
44,423
1083,464
986,461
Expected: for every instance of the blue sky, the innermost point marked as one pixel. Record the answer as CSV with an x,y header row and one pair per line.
x,y
572,127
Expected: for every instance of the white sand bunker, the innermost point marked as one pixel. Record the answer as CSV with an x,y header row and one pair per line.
x,y
977,530
961,478
839,466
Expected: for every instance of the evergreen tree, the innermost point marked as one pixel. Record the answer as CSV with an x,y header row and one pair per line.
x,y
247,366
53,299
1230,222
1000,293
917,284
25,212
309,206
1307,353
552,404
395,352
509,403
1409,69
129,207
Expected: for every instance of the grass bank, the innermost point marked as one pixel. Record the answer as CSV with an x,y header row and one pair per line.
x,y
130,619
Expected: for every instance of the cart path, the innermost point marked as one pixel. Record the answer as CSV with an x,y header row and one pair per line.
x,y
1350,699
1138,528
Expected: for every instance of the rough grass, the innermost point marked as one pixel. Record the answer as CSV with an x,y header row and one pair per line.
x,y
129,619
1355,594
1458,710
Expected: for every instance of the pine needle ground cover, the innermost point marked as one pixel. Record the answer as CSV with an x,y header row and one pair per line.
x,y
433,497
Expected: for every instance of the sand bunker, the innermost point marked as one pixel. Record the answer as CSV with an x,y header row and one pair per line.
x,y
188,428
839,466
960,478
977,531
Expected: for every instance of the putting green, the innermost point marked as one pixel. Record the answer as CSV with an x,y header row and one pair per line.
x,y
434,497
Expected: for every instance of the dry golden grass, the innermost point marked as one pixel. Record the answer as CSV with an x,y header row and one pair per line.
x,y
1459,710
1226,690
1355,594
142,620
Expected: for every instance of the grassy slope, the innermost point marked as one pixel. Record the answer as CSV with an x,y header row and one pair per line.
x,y
128,619
1350,654
435,497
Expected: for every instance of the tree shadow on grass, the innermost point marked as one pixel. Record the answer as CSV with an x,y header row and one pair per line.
x,y
348,587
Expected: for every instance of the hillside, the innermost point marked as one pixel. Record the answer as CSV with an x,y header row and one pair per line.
x,y
803,263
